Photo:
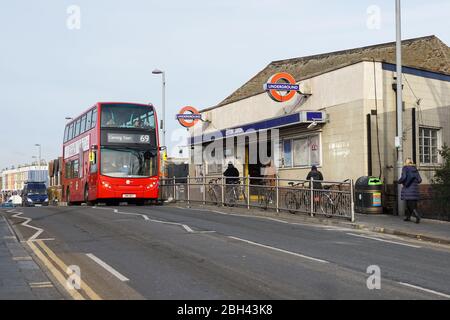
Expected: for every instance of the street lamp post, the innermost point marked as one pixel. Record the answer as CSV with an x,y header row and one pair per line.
x,y
163,117
399,139
39,159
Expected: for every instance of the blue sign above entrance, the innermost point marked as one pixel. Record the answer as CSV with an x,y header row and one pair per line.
x,y
284,121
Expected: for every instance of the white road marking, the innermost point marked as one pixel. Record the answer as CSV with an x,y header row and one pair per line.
x,y
426,290
25,224
35,240
326,227
40,285
27,258
337,229
132,214
187,228
184,226
145,217
280,250
278,220
108,268
383,240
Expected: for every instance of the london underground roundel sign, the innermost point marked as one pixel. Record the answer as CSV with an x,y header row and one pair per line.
x,y
188,116
281,87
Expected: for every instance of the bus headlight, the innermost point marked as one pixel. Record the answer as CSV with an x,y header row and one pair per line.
x,y
106,185
152,185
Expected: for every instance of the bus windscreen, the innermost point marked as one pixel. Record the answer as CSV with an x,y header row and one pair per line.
x,y
127,116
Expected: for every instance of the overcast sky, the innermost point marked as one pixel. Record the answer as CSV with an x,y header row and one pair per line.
x,y
208,48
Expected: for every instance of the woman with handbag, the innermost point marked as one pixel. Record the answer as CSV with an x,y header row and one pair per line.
x,y
410,180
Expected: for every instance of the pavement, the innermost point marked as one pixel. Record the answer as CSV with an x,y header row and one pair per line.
x,y
211,253
427,230
21,278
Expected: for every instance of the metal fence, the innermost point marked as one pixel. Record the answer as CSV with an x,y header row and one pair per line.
x,y
318,198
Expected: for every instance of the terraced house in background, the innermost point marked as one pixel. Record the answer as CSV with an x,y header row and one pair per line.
x,y
355,93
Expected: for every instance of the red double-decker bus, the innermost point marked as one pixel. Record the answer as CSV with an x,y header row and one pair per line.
x,y
111,154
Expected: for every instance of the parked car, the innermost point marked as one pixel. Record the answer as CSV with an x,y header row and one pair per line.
x,y
7,204
34,193
16,200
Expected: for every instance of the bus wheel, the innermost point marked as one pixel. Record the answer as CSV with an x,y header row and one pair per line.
x,y
86,196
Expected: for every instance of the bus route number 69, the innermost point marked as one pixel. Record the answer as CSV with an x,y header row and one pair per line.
x,y
145,139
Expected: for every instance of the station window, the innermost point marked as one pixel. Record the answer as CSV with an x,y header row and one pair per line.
x,y
301,152
428,146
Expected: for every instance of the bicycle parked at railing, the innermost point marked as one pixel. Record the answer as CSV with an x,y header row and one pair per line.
x,y
234,191
213,191
266,192
297,197
333,203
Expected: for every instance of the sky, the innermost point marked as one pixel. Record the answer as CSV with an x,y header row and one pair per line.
x,y
58,57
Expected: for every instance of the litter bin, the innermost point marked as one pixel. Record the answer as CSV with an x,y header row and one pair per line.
x,y
368,195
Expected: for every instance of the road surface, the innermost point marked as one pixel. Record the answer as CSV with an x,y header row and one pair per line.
x,y
168,252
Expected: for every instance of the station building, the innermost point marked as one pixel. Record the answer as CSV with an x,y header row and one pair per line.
x,y
345,119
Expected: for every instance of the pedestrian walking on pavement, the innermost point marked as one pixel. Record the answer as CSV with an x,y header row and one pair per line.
x,y
410,180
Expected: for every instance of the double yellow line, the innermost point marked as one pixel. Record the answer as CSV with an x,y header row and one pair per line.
x,y
59,270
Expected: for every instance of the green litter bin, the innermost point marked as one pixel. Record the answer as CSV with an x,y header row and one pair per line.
x,y
369,195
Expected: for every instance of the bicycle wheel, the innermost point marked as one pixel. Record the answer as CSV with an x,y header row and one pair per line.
x,y
326,206
213,196
262,198
231,197
290,201
339,206
305,201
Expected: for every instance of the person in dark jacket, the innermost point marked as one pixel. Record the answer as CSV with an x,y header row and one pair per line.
x,y
410,180
231,174
316,175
